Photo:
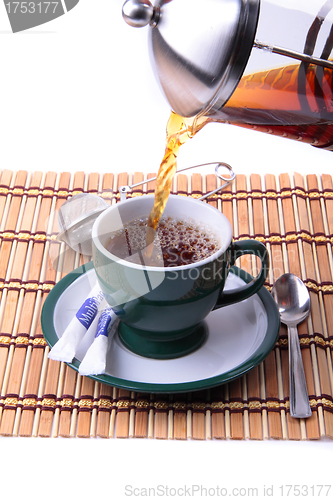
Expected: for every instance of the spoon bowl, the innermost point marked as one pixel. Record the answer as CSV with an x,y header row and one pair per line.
x,y
292,298
293,301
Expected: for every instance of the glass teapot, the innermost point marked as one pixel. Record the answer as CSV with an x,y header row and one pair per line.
x,y
261,64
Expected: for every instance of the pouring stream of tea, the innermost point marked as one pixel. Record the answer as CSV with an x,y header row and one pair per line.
x,y
179,130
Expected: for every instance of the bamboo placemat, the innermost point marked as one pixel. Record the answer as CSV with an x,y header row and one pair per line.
x,y
291,214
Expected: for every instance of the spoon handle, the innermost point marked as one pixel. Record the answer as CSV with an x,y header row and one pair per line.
x,y
299,399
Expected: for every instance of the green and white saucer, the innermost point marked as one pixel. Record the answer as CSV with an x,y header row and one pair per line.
x,y
240,336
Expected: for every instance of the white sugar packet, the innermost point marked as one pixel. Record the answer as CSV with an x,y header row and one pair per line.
x,y
65,348
94,361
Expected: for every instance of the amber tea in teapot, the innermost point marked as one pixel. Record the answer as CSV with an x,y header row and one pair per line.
x,y
292,101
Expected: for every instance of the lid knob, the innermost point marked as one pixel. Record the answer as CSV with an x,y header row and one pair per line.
x,y
138,13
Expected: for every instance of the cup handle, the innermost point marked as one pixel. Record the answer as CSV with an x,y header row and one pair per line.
x,y
237,249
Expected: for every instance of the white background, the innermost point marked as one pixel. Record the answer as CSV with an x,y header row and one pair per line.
x,y
78,94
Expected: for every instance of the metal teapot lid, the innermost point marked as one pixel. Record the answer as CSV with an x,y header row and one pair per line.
x,y
199,47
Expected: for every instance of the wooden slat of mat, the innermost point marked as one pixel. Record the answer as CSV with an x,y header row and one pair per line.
x,y
104,411
196,186
219,414
105,395
327,209
256,417
139,190
85,404
291,264
71,383
129,422
35,372
261,230
123,404
235,388
7,179
165,420
104,428
67,389
271,362
306,329
123,397
324,275
141,415
52,370
294,265
290,427
180,408
196,422
209,183
59,382
250,221
123,180
210,186
279,265
217,408
229,209
161,414
313,323
252,224
168,417
107,191
6,182
201,418
150,187
131,428
88,389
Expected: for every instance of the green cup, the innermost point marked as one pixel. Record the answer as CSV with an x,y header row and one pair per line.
x,y
161,309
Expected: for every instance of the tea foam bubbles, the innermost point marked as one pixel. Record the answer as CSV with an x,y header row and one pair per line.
x,y
177,242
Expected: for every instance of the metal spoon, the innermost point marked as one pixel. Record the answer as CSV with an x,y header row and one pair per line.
x,y
293,300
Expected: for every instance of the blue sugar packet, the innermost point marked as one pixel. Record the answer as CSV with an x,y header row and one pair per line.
x,y
65,348
87,312
94,361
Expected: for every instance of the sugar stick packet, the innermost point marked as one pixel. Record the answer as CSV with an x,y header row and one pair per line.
x,y
94,361
65,348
